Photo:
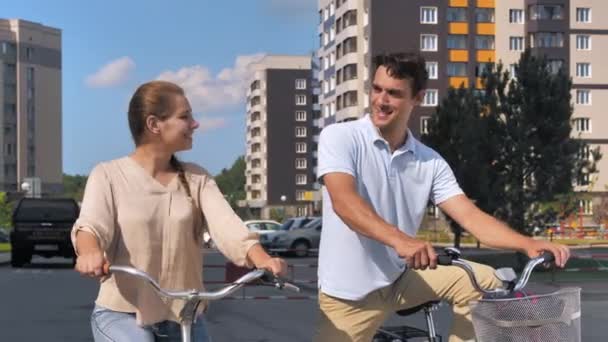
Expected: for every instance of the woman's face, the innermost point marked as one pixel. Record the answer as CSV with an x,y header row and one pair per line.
x,y
176,131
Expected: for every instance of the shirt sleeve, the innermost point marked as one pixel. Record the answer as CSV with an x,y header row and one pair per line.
x,y
97,212
445,184
227,230
336,152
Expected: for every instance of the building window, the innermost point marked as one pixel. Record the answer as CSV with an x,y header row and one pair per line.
x,y
585,153
300,115
300,163
430,98
428,15
300,132
587,206
583,179
302,211
255,148
256,163
301,179
546,39
583,70
513,71
332,58
457,69
300,147
516,16
428,42
583,96
456,14
301,83
516,43
29,53
554,65
332,83
300,100
457,41
300,195
482,68
583,14
582,125
424,124
484,15
546,12
484,42
431,69
583,42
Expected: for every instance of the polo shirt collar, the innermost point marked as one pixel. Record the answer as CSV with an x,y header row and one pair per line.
x,y
374,136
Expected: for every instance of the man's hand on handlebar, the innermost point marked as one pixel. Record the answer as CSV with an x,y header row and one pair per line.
x,y
418,254
561,252
277,266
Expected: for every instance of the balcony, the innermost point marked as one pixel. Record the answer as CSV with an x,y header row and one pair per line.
x,y
486,56
455,82
458,55
458,28
486,29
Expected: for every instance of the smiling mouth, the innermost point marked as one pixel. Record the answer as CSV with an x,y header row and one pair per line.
x,y
384,111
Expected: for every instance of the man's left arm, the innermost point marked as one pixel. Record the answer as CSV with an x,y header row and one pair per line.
x,y
493,233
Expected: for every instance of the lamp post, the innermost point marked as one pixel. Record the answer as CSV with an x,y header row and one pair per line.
x,y
283,199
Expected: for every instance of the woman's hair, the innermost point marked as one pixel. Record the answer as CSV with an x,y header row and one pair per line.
x,y
157,98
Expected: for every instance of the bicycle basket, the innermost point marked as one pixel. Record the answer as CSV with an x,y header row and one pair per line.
x,y
547,317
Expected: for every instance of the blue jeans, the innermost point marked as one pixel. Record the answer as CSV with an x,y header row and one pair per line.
x,y
114,326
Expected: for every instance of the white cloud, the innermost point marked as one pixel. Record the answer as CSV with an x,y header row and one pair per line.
x,y
111,74
207,92
209,124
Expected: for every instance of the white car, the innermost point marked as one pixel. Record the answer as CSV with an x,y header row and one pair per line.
x,y
266,229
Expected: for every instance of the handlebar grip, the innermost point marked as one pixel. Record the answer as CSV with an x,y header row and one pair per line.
x,y
106,268
548,256
444,260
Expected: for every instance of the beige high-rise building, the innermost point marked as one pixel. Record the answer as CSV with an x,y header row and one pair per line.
x,y
30,105
459,39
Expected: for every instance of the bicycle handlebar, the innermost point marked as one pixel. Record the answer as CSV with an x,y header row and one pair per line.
x,y
208,295
451,256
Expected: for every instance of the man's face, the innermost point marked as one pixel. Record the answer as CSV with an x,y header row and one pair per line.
x,y
392,100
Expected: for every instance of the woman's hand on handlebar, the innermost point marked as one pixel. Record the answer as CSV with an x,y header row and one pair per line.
x,y
91,264
561,252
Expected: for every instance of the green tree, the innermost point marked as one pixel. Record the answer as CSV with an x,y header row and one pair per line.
x,y
232,182
73,186
510,143
6,211
541,160
468,142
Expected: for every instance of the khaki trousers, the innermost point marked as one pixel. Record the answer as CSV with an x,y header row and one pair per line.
x,y
357,321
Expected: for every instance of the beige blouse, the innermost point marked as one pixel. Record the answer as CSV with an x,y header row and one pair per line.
x,y
141,223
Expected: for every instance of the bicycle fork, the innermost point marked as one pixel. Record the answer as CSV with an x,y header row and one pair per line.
x,y
430,324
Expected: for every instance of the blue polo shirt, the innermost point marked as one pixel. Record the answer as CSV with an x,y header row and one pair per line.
x,y
397,185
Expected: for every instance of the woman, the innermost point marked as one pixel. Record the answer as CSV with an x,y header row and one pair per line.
x,y
149,210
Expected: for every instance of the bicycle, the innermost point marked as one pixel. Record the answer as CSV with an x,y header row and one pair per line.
x,y
194,297
503,314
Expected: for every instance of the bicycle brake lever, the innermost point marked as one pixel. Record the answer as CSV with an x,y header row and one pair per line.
x,y
278,282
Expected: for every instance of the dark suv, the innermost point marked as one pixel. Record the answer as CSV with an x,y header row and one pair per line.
x,y
42,226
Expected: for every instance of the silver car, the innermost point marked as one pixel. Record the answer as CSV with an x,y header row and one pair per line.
x,y
299,242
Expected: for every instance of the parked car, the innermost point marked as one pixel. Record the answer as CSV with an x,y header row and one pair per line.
x,y
296,222
42,226
299,241
266,229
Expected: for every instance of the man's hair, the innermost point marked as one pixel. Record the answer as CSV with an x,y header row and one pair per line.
x,y
404,65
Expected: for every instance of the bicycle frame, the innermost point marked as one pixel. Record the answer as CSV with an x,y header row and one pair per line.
x,y
451,257
194,297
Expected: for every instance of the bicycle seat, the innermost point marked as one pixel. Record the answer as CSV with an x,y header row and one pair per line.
x,y
413,310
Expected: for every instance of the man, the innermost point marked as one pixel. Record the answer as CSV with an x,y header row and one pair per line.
x,y
378,180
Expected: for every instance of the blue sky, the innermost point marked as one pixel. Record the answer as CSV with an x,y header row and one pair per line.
x,y
110,47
